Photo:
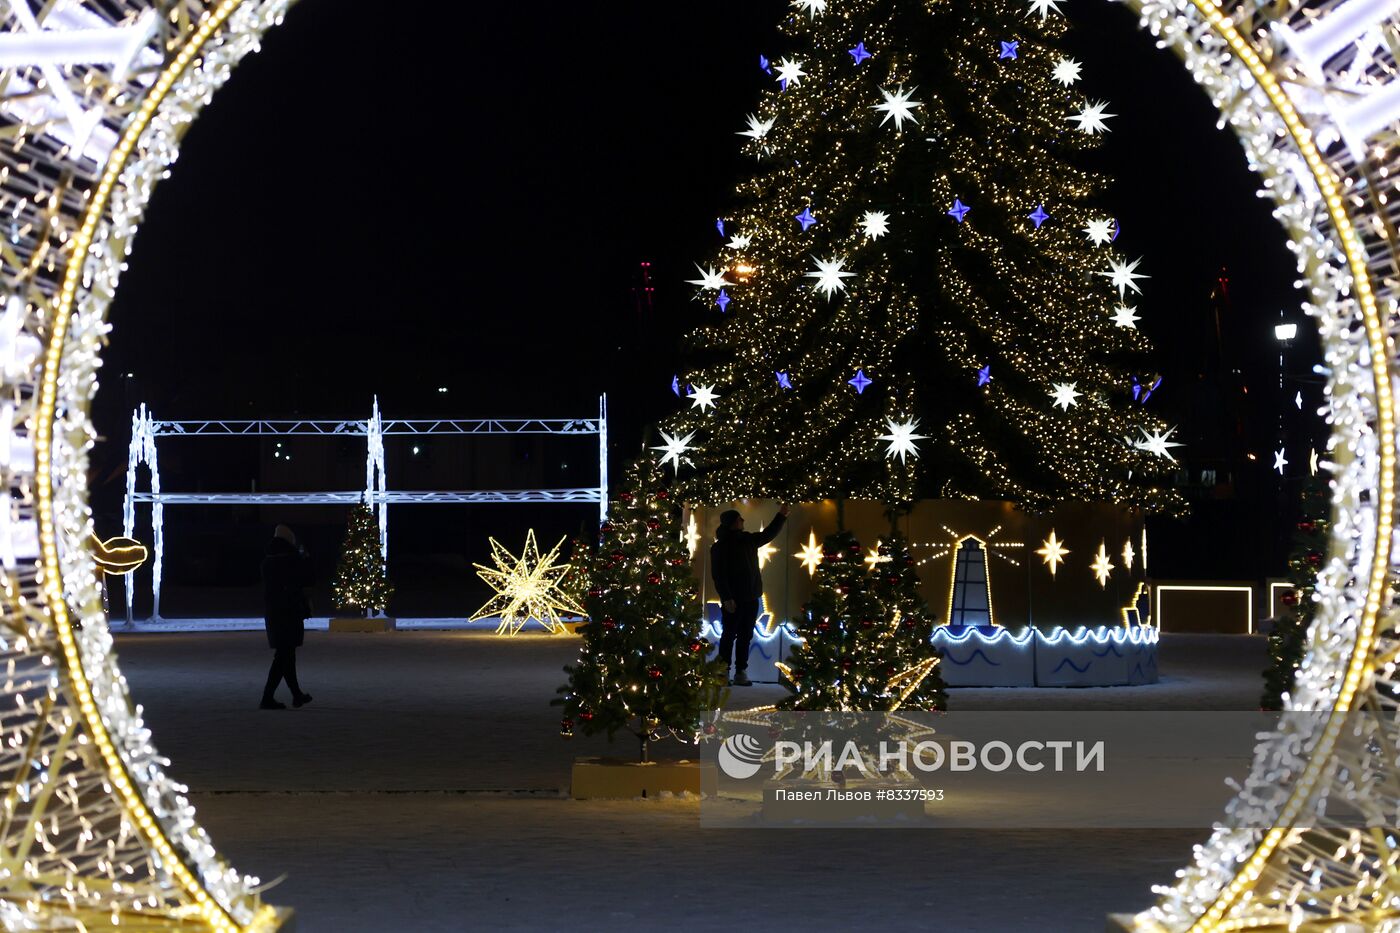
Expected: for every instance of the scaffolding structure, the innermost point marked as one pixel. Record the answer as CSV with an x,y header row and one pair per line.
x,y
145,429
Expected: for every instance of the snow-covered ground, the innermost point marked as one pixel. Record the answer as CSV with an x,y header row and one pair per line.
x,y
424,790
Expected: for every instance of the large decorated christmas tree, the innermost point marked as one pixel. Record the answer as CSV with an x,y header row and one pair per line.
x,y
919,293
642,667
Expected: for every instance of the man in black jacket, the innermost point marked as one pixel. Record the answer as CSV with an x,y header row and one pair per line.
x,y
734,568
285,571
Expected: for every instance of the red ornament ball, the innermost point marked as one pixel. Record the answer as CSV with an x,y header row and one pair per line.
x,y
606,528
1307,527
678,562
626,497
853,547
867,624
699,646
653,524
710,728
1289,599
847,664
610,624
1314,558
663,494
596,591
653,578
823,627
566,727
586,715
618,557
654,673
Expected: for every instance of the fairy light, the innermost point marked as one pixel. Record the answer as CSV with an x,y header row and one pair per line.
x,y
526,587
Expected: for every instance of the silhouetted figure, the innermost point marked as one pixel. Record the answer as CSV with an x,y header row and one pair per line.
x,y
285,571
734,568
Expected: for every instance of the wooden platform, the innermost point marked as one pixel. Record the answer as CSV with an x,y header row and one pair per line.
x,y
615,777
362,624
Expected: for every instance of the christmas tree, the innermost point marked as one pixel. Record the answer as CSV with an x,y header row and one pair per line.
x,y
1290,631
860,651
906,646
361,579
919,294
643,665
575,583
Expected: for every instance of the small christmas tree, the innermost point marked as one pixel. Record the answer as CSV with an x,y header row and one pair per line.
x,y
1290,631
361,579
865,637
575,583
643,665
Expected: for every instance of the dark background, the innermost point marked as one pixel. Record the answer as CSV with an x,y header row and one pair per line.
x,y
378,206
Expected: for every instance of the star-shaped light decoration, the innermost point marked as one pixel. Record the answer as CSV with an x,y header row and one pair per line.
x,y
829,276
710,278
1100,232
1312,462
1102,566
723,299
757,128
860,380
719,225
806,218
811,554
1158,442
1123,316
1065,395
526,587
691,535
702,397
898,107
1279,461
1053,552
1045,7
783,379
674,449
765,554
1298,400
790,72
1067,71
676,385
875,224
984,375
811,6
902,438
1009,49
859,53
1091,118
1038,216
875,558
740,241
1123,275
1128,555
958,210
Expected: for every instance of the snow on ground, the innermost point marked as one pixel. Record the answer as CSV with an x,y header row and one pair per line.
x,y
423,790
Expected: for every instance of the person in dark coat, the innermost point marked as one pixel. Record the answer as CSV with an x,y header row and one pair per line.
x,y
734,568
285,570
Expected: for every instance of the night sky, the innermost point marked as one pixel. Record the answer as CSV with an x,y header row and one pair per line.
x,y
389,204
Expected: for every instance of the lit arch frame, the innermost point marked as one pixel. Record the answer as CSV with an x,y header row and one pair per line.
x,y
1352,652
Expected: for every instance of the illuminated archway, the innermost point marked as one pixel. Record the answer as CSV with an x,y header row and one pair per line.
x,y
93,830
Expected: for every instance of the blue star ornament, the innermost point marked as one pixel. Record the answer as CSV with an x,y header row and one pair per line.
x,y
676,384
860,381
1009,49
959,210
858,53
723,301
984,375
806,218
719,225
1039,215
783,380
763,64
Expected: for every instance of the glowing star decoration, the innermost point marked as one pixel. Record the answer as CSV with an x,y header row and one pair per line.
x,y
757,128
526,587
674,449
1312,462
1123,275
875,224
829,276
1091,119
691,535
984,375
1009,49
765,554
959,210
1158,442
783,379
806,218
1123,316
1279,461
860,380
1065,395
1128,555
898,107
1298,400
1102,566
875,558
790,72
740,241
1053,552
1038,216
859,53
811,554
702,397
1100,232
1045,7
1067,71
676,385
811,6
710,279
902,438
